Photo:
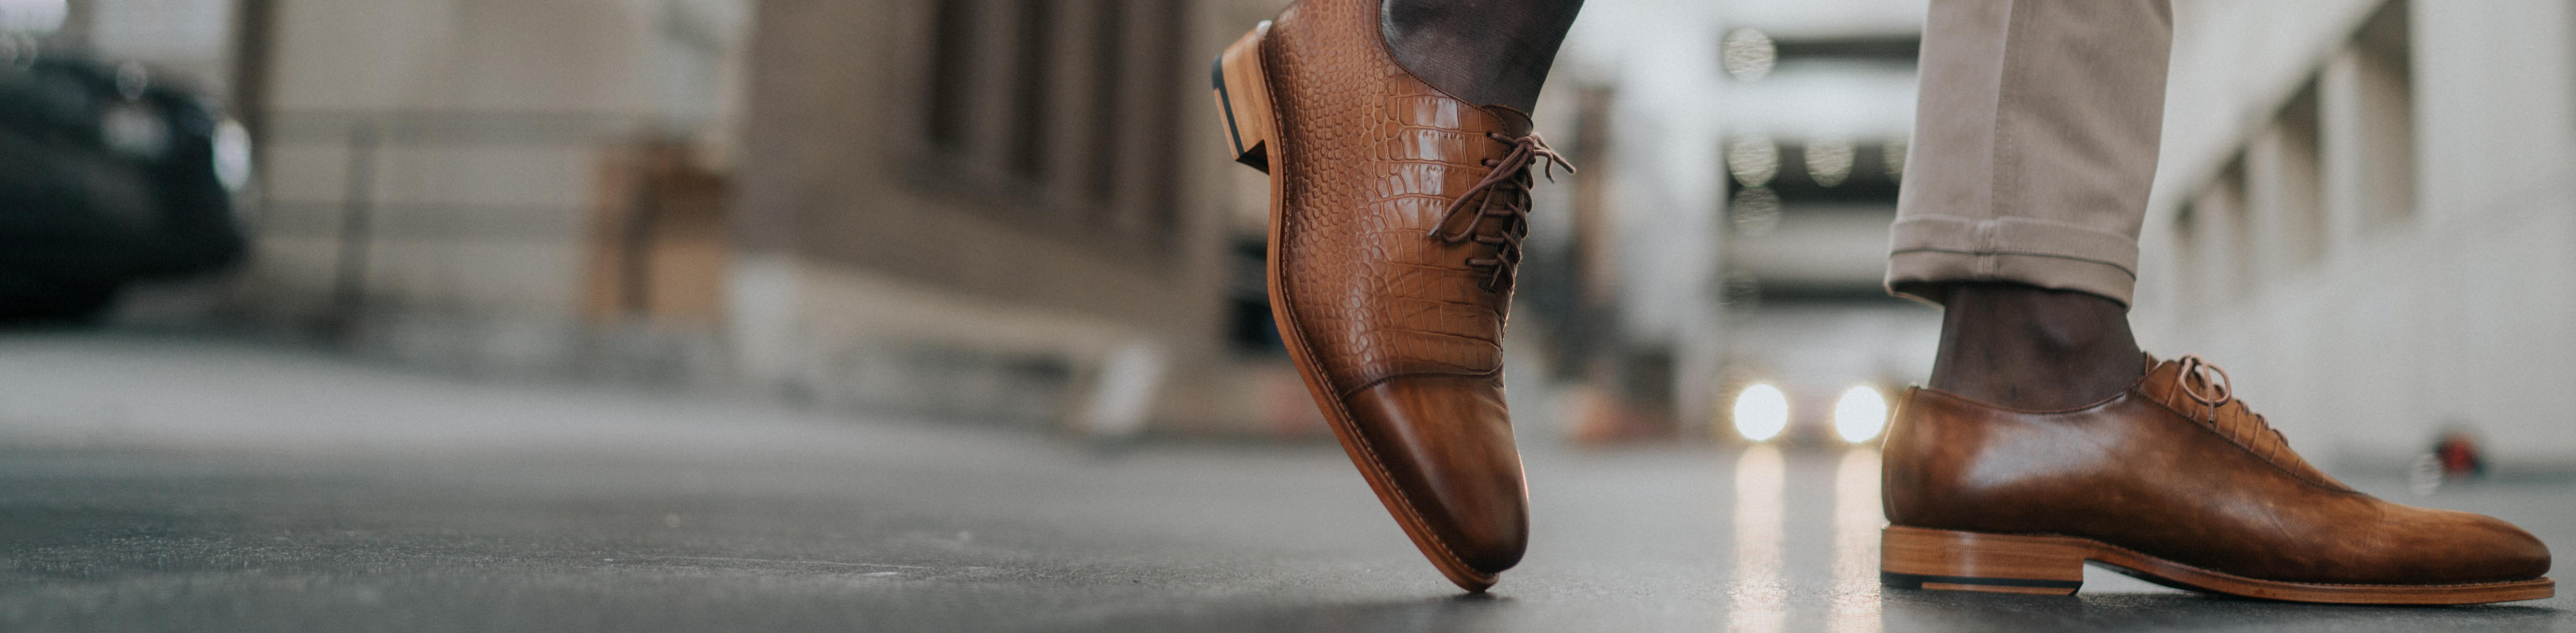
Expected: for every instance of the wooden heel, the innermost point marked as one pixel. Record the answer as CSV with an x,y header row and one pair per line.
x,y
1915,558
1243,95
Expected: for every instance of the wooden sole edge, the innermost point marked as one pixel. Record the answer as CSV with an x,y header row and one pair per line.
x,y
1946,560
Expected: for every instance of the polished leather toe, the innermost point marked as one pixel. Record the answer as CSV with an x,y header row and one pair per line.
x,y
2410,545
2482,548
1447,444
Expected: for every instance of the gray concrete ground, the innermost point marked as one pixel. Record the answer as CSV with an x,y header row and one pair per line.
x,y
160,484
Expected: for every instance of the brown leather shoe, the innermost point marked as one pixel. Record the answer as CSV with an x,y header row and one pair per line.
x,y
2174,482
1396,217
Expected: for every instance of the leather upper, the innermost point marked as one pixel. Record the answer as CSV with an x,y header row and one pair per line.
x,y
1405,333
2173,384
2179,482
1373,158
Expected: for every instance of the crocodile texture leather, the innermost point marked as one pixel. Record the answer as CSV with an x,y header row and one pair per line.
x,y
1374,157
2162,474
1400,336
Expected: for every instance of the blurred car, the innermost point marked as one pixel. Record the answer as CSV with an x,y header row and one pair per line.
x,y
107,177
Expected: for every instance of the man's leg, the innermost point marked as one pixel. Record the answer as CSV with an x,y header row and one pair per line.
x,y
2034,148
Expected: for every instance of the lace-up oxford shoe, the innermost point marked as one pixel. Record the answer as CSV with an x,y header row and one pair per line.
x,y
1396,216
2177,482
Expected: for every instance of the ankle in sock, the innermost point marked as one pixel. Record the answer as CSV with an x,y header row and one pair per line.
x,y
1490,52
2033,348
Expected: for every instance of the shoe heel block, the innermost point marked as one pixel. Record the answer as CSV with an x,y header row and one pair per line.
x,y
1945,560
1243,97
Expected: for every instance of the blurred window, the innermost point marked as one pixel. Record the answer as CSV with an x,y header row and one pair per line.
x,y
1032,81
2233,226
2385,104
2339,153
1059,108
953,44
1108,53
2293,190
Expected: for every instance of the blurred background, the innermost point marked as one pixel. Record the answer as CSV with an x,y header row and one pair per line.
x,y
905,314
1013,212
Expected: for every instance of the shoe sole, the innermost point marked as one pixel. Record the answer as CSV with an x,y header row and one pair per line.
x,y
1944,560
1243,95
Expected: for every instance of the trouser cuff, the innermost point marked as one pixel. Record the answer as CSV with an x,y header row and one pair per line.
x,y
1930,250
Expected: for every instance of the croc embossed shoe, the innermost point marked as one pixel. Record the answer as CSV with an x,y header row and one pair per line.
x,y
1396,215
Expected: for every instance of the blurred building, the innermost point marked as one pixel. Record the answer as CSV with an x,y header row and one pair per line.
x,y
2360,208
1820,104
1001,210
1753,151
1014,210
496,187
2363,212
1617,299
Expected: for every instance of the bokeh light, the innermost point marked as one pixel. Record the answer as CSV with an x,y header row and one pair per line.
x,y
1756,211
1829,161
1749,54
1860,414
1753,160
1761,412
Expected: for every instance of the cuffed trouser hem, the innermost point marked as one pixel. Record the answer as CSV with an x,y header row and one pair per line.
x,y
1930,250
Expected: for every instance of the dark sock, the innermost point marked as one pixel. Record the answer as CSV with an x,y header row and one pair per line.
x,y
1490,52
2032,348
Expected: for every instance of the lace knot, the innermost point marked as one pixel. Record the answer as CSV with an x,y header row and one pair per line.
x,y
2215,389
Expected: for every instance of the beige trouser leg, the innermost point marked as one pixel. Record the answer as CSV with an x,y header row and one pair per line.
x,y
2034,145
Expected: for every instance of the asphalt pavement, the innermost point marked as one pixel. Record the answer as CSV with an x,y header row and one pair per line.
x,y
161,484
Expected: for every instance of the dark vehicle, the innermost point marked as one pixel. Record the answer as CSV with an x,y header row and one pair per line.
x,y
107,177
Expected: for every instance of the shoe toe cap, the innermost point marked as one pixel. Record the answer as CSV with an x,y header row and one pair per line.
x,y
2511,553
1446,442
2448,547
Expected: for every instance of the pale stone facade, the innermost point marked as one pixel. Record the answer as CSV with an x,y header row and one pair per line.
x,y
2363,212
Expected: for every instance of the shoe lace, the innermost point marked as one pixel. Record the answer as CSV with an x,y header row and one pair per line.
x,y
2204,382
1509,179
2207,385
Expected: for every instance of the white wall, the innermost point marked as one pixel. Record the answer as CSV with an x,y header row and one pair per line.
x,y
2455,310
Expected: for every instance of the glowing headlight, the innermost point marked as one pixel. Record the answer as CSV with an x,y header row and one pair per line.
x,y
1761,412
1860,414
